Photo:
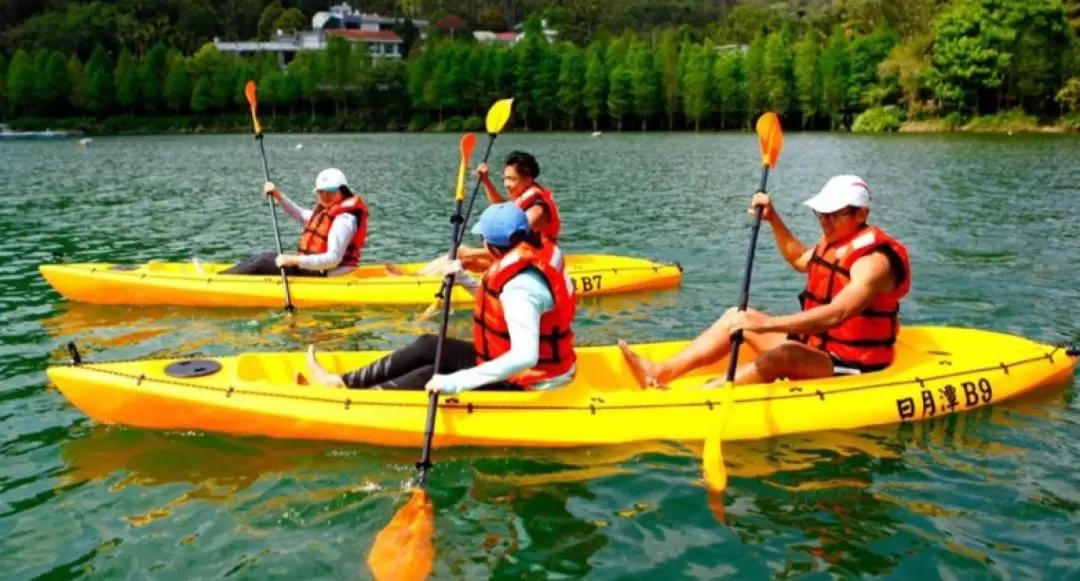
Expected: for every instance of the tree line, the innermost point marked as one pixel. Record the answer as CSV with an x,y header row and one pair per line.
x,y
963,58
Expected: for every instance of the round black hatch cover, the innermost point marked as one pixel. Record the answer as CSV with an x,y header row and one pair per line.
x,y
193,368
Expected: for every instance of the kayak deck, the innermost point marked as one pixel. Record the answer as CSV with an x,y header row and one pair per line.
x,y
174,283
939,370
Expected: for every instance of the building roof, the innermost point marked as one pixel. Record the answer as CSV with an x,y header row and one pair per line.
x,y
355,35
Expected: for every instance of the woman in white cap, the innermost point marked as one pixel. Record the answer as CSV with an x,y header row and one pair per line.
x,y
856,277
334,232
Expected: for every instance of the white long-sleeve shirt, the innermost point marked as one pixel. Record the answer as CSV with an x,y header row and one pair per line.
x,y
342,230
524,298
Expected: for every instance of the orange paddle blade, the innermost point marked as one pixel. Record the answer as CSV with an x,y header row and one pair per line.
x,y
771,138
404,550
468,142
249,92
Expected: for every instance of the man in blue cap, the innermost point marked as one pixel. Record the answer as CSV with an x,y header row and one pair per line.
x,y
522,337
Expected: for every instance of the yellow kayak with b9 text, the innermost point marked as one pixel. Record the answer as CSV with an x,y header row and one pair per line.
x,y
184,284
938,371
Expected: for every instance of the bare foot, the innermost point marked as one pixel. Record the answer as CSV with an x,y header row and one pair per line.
x,y
640,367
321,376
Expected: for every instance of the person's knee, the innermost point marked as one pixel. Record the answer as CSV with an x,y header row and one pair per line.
x,y
776,363
428,342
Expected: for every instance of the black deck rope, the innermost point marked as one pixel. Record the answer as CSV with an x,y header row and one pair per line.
x,y
591,407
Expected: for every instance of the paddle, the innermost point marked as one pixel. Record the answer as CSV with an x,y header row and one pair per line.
x,y
249,92
403,549
771,141
497,116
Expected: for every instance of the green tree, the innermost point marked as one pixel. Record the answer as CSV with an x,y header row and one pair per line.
x,y
202,97
865,53
971,54
807,80
730,86
530,61
269,90
177,85
292,90
778,72
57,86
99,82
153,72
546,90
905,66
757,85
670,73
20,82
290,21
697,86
571,86
338,71
268,19
127,81
620,99
834,77
491,19
594,93
3,85
646,82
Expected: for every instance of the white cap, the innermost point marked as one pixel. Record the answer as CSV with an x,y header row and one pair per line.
x,y
330,179
839,193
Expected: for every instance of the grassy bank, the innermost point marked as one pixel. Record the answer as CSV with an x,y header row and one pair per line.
x,y
884,120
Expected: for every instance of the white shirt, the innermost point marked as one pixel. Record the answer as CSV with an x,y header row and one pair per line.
x,y
524,298
342,230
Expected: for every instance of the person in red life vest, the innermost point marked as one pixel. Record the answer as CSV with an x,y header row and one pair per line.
x,y
519,177
334,232
856,278
522,335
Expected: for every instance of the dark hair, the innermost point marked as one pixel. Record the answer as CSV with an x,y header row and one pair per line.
x,y
524,163
345,191
517,238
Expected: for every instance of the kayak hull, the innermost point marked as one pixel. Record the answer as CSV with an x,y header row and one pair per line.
x,y
179,284
939,371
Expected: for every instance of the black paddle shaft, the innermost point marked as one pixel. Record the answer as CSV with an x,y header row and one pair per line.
x,y
424,465
476,188
277,229
744,296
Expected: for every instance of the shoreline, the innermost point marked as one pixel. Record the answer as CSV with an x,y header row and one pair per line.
x,y
146,126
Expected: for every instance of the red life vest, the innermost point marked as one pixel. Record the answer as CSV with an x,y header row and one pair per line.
x,y
865,340
537,194
491,338
313,240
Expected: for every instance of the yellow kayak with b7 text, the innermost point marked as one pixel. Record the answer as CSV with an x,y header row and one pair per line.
x,y
184,284
938,371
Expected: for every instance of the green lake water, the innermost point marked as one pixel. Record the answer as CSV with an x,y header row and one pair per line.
x,y
991,224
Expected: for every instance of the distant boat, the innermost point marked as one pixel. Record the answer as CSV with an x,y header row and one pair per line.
x,y
596,134
8,134
85,142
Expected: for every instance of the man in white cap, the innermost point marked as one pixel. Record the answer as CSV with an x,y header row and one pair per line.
x,y
334,235
856,277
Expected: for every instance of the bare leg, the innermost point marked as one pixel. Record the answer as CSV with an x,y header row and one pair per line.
x,y
708,347
322,376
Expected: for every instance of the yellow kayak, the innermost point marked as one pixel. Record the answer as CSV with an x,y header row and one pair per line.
x,y
171,283
938,371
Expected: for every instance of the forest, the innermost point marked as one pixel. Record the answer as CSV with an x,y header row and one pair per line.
x,y
864,65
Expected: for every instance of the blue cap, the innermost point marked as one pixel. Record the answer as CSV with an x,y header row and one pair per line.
x,y
501,221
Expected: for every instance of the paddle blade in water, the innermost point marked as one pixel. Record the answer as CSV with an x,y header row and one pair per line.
x,y
404,550
712,463
771,138
498,115
468,142
249,92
